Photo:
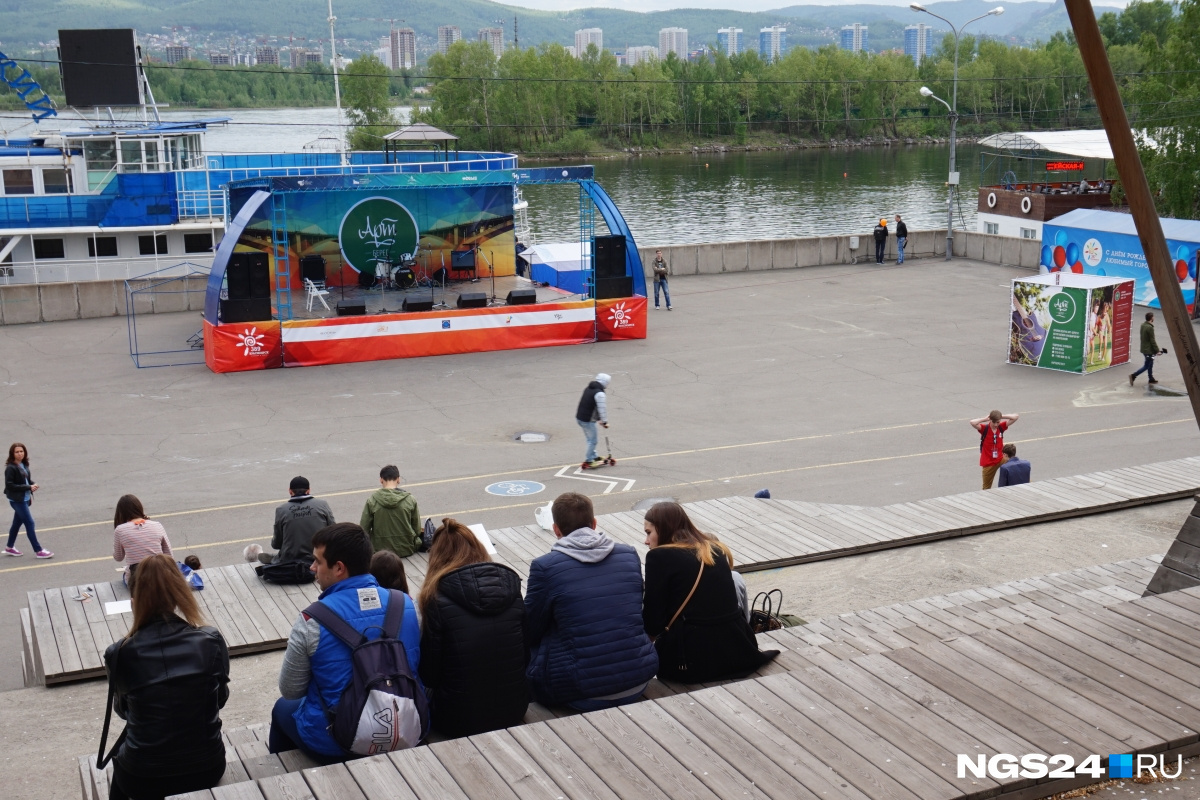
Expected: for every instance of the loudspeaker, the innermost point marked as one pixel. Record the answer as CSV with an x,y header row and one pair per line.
x,y
473,300
521,297
249,276
609,288
246,310
351,309
366,279
418,301
313,268
610,256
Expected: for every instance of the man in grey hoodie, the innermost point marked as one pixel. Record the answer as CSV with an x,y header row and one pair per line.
x,y
593,408
589,647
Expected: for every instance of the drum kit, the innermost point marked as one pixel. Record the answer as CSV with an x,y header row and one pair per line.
x,y
394,276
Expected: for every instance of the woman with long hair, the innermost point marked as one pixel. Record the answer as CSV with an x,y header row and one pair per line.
x,y
19,488
135,536
473,646
691,604
170,677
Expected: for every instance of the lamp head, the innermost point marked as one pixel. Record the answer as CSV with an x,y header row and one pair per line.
x,y
997,11
926,91
916,6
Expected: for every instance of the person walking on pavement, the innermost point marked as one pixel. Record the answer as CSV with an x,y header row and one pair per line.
x,y
901,239
593,408
660,278
881,234
1150,349
991,442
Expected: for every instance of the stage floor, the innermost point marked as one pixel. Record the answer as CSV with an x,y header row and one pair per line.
x,y
390,301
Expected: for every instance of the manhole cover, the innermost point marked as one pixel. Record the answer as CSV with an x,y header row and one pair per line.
x,y
532,436
644,505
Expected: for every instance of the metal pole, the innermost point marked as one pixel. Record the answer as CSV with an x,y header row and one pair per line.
x,y
950,183
1137,191
337,89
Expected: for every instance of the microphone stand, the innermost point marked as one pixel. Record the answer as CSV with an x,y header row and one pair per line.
x,y
442,256
492,270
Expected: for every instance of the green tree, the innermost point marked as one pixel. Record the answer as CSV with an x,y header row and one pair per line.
x,y
368,105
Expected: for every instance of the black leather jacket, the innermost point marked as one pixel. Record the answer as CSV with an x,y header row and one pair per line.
x,y
171,681
15,485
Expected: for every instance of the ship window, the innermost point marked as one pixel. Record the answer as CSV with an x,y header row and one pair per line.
x,y
102,247
1029,233
100,155
56,181
131,155
152,164
150,244
18,181
197,242
48,248
992,228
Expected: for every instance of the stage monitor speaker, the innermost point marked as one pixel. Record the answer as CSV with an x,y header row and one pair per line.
x,y
610,256
351,309
99,67
418,301
245,310
313,268
249,276
462,259
473,300
521,297
610,288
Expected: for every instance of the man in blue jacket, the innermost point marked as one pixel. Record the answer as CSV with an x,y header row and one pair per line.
x,y
1014,471
316,666
584,616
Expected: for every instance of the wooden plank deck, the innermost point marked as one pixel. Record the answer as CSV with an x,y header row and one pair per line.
x,y
65,641
1112,679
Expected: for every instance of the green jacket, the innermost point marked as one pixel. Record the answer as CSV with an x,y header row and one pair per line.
x,y
391,519
1149,345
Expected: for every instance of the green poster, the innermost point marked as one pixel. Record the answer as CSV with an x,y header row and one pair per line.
x,y
1064,337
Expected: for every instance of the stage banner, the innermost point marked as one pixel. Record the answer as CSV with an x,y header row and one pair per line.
x,y
622,318
373,338
244,346
1072,328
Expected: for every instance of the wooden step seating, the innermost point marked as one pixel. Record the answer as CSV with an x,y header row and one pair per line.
x,y
843,637
1115,679
64,639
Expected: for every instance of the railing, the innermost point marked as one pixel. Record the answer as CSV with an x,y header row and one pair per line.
x,y
100,269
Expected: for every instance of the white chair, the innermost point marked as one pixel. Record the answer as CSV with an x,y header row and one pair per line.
x,y
311,291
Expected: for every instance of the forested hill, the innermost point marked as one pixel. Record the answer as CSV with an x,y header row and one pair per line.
x,y
209,22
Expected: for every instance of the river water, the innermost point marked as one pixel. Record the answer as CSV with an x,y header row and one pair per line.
x,y
702,197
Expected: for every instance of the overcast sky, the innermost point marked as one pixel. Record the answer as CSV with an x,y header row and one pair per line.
x,y
739,5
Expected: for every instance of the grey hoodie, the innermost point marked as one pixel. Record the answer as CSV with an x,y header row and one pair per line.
x,y
586,545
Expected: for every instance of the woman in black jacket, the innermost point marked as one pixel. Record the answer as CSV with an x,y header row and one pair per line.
x,y
691,605
473,645
171,678
19,488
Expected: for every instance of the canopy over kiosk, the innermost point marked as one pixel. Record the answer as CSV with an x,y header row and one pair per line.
x,y
1106,243
1069,322
420,134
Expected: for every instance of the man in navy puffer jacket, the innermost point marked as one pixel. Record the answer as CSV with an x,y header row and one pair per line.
x,y
584,616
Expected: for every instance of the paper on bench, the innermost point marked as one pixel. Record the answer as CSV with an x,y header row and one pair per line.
x,y
118,607
482,535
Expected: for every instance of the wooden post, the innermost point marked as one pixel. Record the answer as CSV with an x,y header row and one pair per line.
x,y
1137,191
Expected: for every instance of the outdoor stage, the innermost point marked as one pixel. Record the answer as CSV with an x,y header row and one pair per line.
x,y
350,226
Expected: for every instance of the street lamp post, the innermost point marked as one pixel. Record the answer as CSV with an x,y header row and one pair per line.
x,y
952,106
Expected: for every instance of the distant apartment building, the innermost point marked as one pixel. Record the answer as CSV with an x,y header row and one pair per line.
x,y
494,38
588,36
447,35
402,48
244,59
177,53
729,41
266,55
918,42
220,59
299,57
641,54
672,40
384,52
854,37
772,43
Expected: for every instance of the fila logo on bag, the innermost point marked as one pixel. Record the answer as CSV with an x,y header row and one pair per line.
x,y
252,343
620,316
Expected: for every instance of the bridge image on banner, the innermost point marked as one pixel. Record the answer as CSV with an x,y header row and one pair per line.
x,y
363,267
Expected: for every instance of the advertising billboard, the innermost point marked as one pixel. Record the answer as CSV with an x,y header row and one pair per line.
x,y
1071,323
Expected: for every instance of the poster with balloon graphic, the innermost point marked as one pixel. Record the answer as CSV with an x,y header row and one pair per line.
x,y
1070,322
1106,244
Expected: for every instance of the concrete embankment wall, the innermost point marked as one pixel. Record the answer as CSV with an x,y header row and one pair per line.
x,y
50,302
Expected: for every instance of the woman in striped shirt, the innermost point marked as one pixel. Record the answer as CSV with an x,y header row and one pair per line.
x,y
136,536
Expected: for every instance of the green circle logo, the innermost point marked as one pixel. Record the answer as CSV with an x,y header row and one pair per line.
x,y
377,230
1062,308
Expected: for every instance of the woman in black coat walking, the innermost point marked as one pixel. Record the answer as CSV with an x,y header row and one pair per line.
x,y
473,644
19,488
691,605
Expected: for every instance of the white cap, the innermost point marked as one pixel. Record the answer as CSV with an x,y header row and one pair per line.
x,y
604,378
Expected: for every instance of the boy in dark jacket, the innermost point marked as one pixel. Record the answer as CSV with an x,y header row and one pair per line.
x,y
584,606
390,516
881,234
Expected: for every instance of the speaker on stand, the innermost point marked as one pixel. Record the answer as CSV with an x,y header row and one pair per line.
x,y
248,288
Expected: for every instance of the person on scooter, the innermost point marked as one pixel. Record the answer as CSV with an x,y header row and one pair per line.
x,y
593,408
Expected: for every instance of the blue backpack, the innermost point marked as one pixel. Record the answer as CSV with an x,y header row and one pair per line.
x,y
383,707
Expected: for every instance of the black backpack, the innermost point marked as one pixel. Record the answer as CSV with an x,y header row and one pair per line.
x,y
286,572
383,707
